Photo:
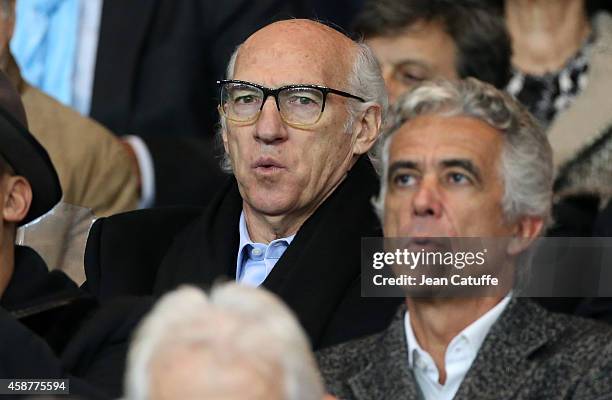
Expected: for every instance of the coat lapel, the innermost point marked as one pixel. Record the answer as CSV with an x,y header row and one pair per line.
x,y
387,375
221,238
316,271
504,361
33,289
205,252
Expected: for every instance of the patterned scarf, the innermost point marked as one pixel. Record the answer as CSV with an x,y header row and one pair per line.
x,y
546,95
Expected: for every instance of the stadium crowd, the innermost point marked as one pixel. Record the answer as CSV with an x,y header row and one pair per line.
x,y
187,187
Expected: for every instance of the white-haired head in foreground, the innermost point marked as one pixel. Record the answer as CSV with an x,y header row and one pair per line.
x,y
236,343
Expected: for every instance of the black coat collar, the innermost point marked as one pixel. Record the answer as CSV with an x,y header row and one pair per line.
x,y
33,288
47,302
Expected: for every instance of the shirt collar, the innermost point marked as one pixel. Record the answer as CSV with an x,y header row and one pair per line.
x,y
245,240
474,334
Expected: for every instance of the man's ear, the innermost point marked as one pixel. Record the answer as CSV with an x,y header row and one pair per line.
x,y
526,231
366,129
223,129
17,198
224,138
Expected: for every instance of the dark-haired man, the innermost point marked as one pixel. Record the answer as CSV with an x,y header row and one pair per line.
x,y
417,40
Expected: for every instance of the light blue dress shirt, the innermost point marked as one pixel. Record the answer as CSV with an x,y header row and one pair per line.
x,y
460,354
55,44
256,260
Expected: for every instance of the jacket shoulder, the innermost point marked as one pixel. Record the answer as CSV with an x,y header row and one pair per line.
x,y
580,333
338,363
581,352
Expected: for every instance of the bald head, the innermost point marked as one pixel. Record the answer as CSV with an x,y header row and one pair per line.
x,y
320,47
10,100
301,33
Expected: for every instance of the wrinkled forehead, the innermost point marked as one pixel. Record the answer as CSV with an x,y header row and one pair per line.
x,y
434,138
296,51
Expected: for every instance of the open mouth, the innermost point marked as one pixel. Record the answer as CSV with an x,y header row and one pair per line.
x,y
268,165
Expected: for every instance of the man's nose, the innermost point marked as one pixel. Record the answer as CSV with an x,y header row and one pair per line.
x,y
426,201
269,127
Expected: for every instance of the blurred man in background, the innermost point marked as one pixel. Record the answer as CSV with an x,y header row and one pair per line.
x,y
418,40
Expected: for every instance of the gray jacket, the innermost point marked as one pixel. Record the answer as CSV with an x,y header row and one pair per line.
x,y
529,353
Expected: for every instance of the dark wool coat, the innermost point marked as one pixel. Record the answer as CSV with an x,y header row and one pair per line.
x,y
50,329
318,276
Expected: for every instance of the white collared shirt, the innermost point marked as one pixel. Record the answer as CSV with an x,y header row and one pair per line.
x,y
460,354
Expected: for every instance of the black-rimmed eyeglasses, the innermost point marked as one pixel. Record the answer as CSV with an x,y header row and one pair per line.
x,y
298,105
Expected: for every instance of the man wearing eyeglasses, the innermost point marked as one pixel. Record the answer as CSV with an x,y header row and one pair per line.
x,y
301,107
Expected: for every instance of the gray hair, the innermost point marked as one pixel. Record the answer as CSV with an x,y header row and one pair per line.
x,y
234,321
365,80
526,161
